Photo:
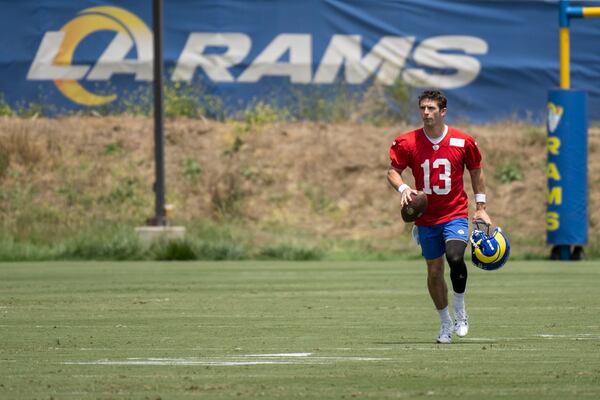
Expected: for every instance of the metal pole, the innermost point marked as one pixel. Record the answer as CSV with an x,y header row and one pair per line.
x,y
565,13
565,56
159,184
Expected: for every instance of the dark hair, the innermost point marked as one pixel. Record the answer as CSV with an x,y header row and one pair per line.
x,y
435,95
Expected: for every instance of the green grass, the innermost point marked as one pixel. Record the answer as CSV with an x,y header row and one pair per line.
x,y
151,330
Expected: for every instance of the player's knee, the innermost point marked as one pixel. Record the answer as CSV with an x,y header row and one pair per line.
x,y
435,274
455,253
455,260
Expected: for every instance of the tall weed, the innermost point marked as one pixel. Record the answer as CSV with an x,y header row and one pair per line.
x,y
4,161
290,252
173,250
226,194
509,172
13,251
20,145
118,244
194,249
5,109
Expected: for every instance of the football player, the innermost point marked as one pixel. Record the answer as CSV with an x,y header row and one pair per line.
x,y
437,156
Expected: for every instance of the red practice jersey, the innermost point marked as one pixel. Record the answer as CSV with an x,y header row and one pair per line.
x,y
438,170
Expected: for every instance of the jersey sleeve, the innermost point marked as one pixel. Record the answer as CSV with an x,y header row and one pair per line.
x,y
399,154
472,155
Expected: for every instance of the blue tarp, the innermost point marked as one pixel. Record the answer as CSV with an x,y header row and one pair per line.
x,y
494,59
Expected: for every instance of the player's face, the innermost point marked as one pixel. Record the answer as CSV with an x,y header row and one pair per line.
x,y
431,113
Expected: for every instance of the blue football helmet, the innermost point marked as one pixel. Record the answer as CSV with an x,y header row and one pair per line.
x,y
488,252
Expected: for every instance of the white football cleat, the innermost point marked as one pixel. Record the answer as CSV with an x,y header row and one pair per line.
x,y
461,324
445,336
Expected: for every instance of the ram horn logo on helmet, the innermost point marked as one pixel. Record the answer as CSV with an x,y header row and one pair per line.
x,y
489,252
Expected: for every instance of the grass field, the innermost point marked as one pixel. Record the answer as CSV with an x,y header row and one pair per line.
x,y
293,330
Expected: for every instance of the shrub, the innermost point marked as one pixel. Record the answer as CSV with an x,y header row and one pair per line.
x,y
5,110
261,114
181,101
291,252
226,194
192,170
220,251
32,110
113,148
318,104
122,244
11,251
509,172
385,105
173,250
191,249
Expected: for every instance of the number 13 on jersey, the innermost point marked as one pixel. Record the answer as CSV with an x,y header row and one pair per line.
x,y
440,166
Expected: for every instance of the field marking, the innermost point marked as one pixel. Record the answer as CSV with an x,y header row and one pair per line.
x,y
277,355
176,362
237,360
576,336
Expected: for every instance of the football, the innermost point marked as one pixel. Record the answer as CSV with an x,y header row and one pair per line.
x,y
417,207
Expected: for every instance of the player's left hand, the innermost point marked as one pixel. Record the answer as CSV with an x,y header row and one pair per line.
x,y
483,216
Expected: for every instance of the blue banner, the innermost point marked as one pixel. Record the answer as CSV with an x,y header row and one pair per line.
x,y
495,59
567,195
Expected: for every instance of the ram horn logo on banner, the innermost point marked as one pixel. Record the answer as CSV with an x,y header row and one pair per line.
x,y
555,113
53,60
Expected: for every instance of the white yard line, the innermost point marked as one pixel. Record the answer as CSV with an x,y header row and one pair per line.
x,y
176,362
576,336
277,355
242,359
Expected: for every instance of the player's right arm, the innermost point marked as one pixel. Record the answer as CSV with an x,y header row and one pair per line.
x,y
398,156
394,177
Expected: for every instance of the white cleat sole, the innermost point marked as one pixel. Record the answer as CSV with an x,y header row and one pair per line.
x,y
461,324
445,335
462,331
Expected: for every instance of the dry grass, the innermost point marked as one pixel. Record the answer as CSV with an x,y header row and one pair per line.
x,y
20,144
325,181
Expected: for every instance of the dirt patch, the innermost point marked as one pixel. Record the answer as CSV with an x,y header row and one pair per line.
x,y
315,180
